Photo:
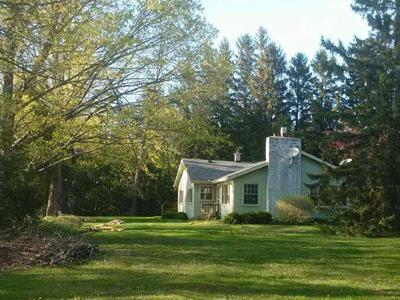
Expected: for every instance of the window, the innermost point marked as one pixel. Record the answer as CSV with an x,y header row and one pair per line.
x,y
206,193
225,194
189,196
250,194
180,197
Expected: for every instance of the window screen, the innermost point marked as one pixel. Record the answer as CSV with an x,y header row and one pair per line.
x,y
206,193
250,195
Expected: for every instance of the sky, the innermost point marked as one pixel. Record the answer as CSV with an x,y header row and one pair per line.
x,y
295,25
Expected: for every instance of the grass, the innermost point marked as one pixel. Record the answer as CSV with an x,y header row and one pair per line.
x,y
152,259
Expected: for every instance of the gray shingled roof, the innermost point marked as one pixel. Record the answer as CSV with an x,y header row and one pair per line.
x,y
205,170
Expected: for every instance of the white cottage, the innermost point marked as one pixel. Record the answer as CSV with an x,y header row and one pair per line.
x,y
209,186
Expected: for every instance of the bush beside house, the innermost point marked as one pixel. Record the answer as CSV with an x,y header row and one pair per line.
x,y
173,215
248,218
294,210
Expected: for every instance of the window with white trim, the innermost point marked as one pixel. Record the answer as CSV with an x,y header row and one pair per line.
x,y
206,193
189,196
250,194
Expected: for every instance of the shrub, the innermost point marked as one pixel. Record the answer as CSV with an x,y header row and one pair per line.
x,y
352,222
233,218
174,215
248,218
257,218
294,210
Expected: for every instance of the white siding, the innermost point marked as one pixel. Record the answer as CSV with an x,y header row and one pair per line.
x,y
186,186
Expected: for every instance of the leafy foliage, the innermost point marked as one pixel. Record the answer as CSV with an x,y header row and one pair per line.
x,y
248,218
173,215
233,218
100,99
294,210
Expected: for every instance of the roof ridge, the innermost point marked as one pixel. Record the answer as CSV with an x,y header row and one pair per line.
x,y
217,160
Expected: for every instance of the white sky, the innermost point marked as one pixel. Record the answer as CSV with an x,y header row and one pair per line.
x,y
295,25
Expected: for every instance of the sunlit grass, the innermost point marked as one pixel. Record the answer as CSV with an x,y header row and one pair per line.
x,y
158,260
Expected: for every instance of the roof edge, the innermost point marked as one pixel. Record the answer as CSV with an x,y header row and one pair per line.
x,y
179,174
242,172
318,160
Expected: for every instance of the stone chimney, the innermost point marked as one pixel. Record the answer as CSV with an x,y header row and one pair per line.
x,y
283,155
237,156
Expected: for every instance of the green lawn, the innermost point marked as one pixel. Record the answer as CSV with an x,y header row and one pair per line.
x,y
158,260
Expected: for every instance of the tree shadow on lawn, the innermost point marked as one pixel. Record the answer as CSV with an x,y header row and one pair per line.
x,y
245,248
124,283
204,262
235,249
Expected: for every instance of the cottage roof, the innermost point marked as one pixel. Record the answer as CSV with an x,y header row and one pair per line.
x,y
213,171
209,170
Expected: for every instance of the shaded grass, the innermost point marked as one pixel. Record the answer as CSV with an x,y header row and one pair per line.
x,y
155,259
62,226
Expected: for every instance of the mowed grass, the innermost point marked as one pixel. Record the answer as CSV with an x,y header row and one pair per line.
x,y
151,259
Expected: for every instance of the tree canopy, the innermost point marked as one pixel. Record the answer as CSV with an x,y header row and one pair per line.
x,y
100,99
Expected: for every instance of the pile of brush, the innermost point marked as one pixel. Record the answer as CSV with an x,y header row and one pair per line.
x,y
50,242
33,250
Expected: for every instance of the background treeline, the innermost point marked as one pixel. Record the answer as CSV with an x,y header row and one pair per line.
x,y
100,99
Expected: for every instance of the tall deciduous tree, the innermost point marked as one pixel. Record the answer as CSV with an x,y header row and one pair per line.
x,y
69,63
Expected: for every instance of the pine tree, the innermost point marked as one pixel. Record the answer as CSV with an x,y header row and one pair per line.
x,y
372,140
241,96
268,90
258,93
301,91
328,101
329,93
222,106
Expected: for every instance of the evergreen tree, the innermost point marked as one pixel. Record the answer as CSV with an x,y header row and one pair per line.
x,y
279,105
329,94
301,92
372,137
241,96
221,115
328,101
258,93
268,90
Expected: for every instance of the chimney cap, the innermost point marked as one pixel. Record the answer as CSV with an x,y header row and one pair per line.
x,y
236,155
283,131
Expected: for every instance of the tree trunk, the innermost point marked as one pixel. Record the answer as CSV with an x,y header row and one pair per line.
x,y
56,192
133,207
7,115
136,178
396,92
162,207
7,99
